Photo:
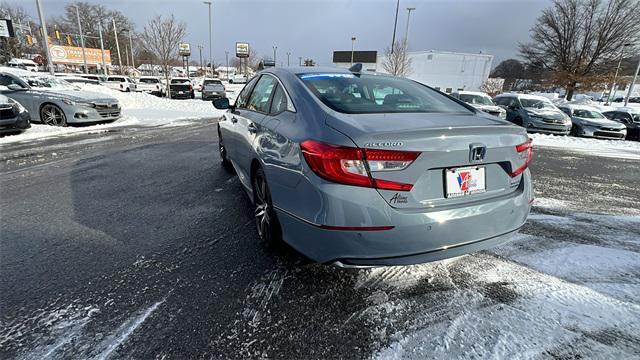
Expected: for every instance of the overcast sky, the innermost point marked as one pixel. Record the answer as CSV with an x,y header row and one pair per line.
x,y
314,28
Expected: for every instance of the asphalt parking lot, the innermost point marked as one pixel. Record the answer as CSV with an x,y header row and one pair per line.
x,y
135,243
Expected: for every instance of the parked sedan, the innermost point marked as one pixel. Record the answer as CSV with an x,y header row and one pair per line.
x,y
629,117
480,101
363,169
53,101
14,118
535,113
589,122
213,89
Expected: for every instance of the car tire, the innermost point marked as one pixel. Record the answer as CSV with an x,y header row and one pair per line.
x,y
51,114
224,157
128,90
266,221
575,131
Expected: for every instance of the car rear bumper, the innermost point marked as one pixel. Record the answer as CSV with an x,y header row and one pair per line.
x,y
417,236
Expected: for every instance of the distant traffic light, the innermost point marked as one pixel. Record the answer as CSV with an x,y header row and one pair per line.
x,y
29,40
57,34
69,42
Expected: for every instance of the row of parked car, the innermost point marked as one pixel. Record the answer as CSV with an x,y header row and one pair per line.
x,y
541,115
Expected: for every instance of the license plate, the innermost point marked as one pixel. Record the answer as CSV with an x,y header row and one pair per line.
x,y
465,181
180,92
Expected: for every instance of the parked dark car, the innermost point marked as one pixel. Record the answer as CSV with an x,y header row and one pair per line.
x,y
14,118
630,118
213,89
181,88
534,113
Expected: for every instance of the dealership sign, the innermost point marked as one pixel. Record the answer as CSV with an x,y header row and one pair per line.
x,y
6,28
184,49
242,50
73,55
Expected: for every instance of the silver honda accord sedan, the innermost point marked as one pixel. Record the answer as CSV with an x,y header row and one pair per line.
x,y
363,169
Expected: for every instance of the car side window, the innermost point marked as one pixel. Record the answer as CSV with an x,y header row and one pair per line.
x,y
502,101
565,110
243,97
259,100
7,80
279,102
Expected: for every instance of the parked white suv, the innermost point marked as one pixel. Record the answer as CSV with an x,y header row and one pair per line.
x,y
237,79
120,82
151,85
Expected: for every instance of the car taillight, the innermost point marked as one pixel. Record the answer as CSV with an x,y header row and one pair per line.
x,y
354,166
526,153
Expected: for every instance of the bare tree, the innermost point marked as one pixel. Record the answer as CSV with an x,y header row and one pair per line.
x,y
578,41
397,63
161,37
492,86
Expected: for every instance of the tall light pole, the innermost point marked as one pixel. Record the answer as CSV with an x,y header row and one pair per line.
x,y
353,41
633,82
210,37
115,34
615,76
226,58
84,54
45,37
288,55
133,63
104,63
395,25
299,60
275,49
406,32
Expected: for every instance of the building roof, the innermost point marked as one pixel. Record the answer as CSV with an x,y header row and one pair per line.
x,y
447,53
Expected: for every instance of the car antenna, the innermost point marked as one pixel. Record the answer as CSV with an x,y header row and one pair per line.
x,y
356,68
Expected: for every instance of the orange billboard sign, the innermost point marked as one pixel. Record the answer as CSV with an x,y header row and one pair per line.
x,y
73,55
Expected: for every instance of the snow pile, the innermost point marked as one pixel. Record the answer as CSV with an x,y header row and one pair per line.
x,y
606,148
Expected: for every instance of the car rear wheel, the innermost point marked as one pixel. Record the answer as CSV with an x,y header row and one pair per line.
x,y
266,220
52,115
575,131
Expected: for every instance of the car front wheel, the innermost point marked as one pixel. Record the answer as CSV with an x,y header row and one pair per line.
x,y
52,115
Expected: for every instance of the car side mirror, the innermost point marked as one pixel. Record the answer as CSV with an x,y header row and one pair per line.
x,y
221,103
15,87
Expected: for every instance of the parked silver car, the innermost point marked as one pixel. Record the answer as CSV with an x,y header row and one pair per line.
x,y
481,101
590,122
53,101
361,169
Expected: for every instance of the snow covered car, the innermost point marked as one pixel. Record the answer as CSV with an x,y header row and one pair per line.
x,y
629,117
213,89
480,101
151,85
590,122
79,80
535,113
14,118
119,82
181,88
99,78
53,101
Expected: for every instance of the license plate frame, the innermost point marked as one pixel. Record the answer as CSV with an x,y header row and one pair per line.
x,y
465,181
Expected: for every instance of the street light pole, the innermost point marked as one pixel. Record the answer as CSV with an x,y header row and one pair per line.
x,y
299,60
353,41
84,54
104,63
133,63
395,25
115,34
275,49
288,55
45,37
226,58
208,3
633,82
406,33
615,76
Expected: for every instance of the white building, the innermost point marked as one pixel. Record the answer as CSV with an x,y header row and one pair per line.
x,y
447,71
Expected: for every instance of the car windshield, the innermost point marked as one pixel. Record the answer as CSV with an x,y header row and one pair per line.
x,y
368,94
179,81
476,99
587,114
210,82
213,87
50,82
149,81
636,117
536,103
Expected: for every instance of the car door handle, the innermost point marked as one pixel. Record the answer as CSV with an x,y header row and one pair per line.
x,y
252,128
234,120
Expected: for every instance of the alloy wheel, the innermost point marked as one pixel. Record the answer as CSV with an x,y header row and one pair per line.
x,y
53,115
264,221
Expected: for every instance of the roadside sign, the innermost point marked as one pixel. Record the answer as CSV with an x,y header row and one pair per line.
x,y
184,49
6,28
242,50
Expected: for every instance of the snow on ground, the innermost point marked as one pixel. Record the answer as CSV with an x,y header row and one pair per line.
x,y
599,147
138,109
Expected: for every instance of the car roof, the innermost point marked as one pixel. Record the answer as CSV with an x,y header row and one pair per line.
x,y
524,96
471,93
579,107
628,109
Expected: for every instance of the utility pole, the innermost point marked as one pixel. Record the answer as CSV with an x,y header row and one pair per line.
x,y
633,82
406,33
226,57
288,55
84,54
299,60
45,37
210,42
275,48
353,41
115,34
200,50
133,63
104,63
395,25
615,76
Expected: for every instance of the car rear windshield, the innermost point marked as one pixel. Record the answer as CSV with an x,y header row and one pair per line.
x,y
536,103
149,81
587,114
368,94
476,99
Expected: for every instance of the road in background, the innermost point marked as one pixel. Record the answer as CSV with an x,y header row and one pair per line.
x,y
135,243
